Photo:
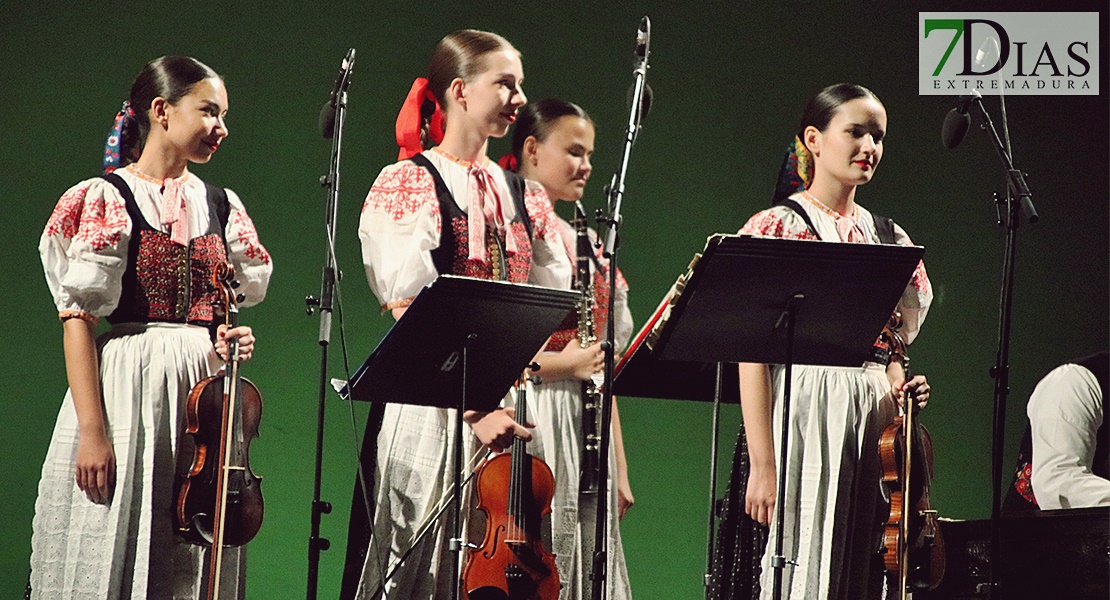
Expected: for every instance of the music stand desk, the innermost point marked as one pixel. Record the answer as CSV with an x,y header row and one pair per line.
x,y
419,361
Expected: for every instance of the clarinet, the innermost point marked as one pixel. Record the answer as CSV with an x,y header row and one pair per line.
x,y
591,395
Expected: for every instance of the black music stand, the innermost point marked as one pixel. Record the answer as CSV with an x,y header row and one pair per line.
x,y
457,326
786,302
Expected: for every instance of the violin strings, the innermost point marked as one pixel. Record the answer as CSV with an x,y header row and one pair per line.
x,y
516,478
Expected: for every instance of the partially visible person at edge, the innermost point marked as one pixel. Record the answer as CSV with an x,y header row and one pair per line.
x,y
1064,460
138,246
445,208
833,494
553,142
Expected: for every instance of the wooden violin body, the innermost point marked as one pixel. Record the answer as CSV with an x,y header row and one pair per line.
x,y
198,491
514,490
922,549
913,550
218,497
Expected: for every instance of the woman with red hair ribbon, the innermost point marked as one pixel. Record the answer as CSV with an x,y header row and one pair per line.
x,y
444,209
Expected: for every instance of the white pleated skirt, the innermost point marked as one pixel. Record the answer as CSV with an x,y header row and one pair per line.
x,y
833,528
414,474
126,548
556,409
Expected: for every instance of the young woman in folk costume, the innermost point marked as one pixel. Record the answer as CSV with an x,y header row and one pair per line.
x,y
443,209
137,246
833,526
552,145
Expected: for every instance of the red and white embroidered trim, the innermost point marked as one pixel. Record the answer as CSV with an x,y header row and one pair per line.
x,y
401,191
248,235
65,315
388,306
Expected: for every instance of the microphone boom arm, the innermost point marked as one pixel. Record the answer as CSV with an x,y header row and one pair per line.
x,y
1015,177
635,117
599,564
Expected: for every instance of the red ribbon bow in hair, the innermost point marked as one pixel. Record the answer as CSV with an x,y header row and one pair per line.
x,y
409,120
509,162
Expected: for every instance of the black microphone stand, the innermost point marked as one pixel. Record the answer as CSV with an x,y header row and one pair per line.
x,y
332,128
600,575
1018,204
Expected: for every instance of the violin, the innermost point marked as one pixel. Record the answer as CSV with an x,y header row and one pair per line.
x,y
514,491
219,498
913,550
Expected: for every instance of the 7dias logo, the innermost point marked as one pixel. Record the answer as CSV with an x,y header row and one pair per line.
x,y
1050,53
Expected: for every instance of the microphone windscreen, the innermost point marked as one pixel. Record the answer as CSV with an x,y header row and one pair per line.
x,y
327,120
955,128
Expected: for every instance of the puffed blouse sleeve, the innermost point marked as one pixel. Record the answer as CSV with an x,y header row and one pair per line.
x,y
778,222
551,266
622,327
399,228
918,295
253,265
84,250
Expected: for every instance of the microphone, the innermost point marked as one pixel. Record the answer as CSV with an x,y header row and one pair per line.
x,y
643,39
958,121
342,81
640,67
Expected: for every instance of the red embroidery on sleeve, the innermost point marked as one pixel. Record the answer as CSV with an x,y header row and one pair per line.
x,y
622,283
920,277
599,252
1023,481
67,214
540,211
102,224
97,222
401,191
770,224
248,235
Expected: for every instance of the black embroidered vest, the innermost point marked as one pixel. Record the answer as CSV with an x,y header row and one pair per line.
x,y
452,255
165,281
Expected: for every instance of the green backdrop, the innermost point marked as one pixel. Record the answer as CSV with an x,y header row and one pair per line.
x,y
730,80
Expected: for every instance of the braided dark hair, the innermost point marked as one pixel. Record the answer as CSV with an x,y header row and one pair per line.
x,y
169,77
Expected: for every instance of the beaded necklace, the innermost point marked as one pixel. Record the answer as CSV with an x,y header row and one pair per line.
x,y
133,168
828,211
453,158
